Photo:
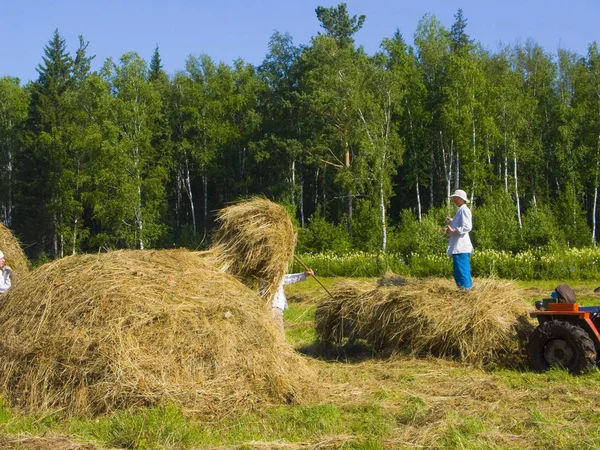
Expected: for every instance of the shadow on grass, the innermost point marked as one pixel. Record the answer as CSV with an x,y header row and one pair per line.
x,y
350,352
359,351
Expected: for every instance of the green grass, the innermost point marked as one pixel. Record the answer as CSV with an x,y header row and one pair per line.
x,y
370,404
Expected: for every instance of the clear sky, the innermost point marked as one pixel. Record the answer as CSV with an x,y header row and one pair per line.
x,y
230,29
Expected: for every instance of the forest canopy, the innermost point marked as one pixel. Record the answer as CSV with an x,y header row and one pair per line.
x,y
363,149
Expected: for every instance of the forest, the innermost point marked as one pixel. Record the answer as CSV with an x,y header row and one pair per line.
x,y
364,150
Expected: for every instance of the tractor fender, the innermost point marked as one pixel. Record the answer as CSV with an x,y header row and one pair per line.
x,y
584,322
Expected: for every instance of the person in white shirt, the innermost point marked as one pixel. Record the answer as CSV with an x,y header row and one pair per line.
x,y
279,300
6,275
459,242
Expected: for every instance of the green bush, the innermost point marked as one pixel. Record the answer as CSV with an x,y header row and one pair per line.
x,y
367,234
323,236
571,218
540,228
495,224
540,264
425,237
355,264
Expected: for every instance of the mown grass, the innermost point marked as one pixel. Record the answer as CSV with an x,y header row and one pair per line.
x,y
370,403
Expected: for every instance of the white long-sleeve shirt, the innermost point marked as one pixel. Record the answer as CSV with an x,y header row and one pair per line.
x,y
459,241
279,300
5,279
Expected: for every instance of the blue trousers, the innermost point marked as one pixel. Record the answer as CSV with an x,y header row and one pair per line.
x,y
461,267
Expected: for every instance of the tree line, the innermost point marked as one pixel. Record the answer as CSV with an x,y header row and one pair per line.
x,y
360,147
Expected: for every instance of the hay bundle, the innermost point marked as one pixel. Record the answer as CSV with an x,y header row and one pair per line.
x,y
255,242
94,333
428,317
13,253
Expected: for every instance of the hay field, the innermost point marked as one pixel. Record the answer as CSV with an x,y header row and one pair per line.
x,y
403,402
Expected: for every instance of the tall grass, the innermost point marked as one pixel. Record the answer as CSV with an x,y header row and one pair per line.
x,y
538,264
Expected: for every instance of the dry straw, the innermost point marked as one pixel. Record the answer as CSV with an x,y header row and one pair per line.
x,y
255,242
13,253
487,324
94,333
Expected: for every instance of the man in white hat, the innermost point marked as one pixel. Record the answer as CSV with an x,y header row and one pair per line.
x,y
6,275
459,242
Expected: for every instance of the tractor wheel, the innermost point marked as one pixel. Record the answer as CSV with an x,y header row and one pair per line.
x,y
560,344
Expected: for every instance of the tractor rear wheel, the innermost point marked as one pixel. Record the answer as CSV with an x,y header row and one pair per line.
x,y
560,344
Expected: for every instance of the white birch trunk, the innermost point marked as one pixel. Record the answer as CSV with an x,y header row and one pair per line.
x,y
205,187
431,176
316,198
595,194
188,190
474,150
9,174
518,202
293,170
179,184
457,179
420,213
139,218
73,252
447,160
383,224
505,161
302,203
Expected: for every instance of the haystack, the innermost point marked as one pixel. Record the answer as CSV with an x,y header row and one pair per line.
x,y
13,253
255,242
93,333
422,317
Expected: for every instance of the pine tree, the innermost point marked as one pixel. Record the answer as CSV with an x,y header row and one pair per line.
x,y
39,213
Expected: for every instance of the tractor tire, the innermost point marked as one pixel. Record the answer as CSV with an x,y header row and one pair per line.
x,y
560,344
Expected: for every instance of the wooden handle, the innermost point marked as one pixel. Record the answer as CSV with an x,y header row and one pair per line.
x,y
314,276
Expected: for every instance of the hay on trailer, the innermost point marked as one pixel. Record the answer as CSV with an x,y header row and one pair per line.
x,y
255,242
428,317
94,333
13,253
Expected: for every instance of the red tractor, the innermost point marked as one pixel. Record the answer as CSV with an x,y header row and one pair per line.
x,y
567,335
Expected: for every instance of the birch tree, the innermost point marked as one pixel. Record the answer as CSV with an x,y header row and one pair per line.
x,y
13,113
130,175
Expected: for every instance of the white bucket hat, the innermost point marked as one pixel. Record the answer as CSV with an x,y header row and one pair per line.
x,y
460,194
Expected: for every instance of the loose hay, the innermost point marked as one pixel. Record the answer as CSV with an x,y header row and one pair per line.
x,y
255,242
13,253
428,317
94,333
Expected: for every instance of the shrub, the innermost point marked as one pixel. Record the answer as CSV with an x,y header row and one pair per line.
x,y
540,228
425,237
366,232
495,223
323,236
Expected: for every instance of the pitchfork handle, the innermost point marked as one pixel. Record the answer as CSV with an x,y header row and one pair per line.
x,y
314,276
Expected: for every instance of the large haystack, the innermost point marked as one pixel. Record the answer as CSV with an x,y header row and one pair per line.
x,y
13,253
428,317
255,242
94,333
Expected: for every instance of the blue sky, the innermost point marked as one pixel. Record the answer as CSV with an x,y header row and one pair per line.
x,y
231,29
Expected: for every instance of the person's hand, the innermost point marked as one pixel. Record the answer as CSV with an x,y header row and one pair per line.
x,y
449,229
309,272
448,219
